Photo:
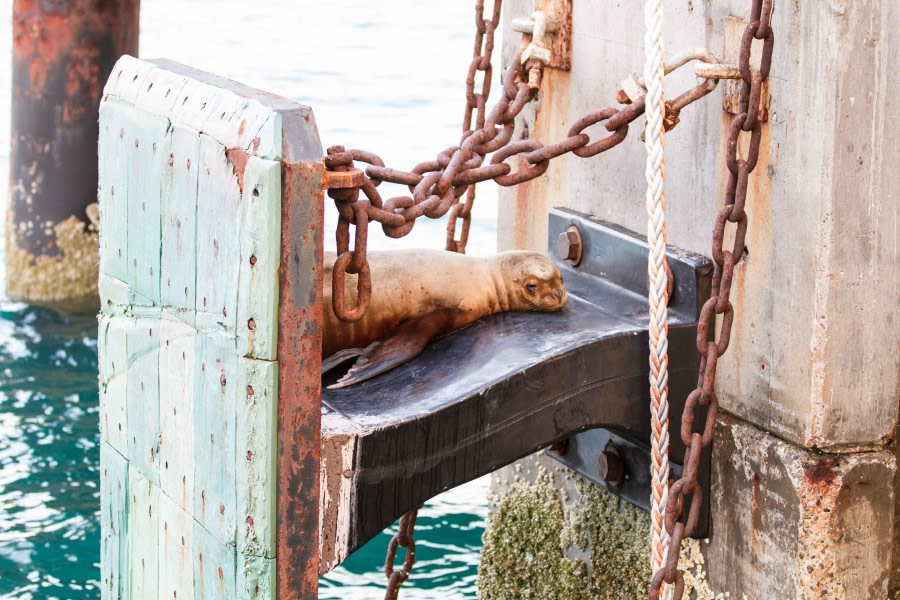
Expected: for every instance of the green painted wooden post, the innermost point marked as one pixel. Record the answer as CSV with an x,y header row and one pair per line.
x,y
210,267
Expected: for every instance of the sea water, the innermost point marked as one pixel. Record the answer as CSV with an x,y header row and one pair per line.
x,y
381,76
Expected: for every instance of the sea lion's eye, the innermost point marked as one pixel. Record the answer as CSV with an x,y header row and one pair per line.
x,y
531,287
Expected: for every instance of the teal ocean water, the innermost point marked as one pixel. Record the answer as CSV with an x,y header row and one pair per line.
x,y
387,77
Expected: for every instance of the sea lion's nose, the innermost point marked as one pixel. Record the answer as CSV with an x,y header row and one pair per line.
x,y
559,294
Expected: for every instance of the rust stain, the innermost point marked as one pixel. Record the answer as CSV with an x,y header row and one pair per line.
x,y
63,51
822,472
561,40
238,159
300,393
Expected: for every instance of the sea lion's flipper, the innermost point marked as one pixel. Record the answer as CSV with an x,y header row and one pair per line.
x,y
401,345
340,357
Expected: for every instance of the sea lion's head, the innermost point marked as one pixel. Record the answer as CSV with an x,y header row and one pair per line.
x,y
532,281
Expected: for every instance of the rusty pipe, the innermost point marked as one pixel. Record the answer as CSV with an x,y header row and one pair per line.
x,y
63,52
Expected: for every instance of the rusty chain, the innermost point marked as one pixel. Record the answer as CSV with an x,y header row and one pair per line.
x,y
476,103
404,539
677,523
436,186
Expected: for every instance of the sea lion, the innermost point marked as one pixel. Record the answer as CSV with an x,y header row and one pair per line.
x,y
420,294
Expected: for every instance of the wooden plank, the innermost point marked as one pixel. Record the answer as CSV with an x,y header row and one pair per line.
x,y
268,142
256,454
113,188
176,549
214,566
217,383
146,144
257,321
236,122
176,408
218,246
196,103
142,397
143,518
127,78
179,223
113,359
114,572
339,444
159,91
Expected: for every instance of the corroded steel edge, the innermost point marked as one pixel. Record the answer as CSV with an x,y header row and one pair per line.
x,y
299,378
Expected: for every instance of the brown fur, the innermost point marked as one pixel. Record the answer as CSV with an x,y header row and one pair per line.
x,y
409,284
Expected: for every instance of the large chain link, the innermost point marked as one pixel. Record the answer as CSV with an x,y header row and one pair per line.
x,y
404,539
678,524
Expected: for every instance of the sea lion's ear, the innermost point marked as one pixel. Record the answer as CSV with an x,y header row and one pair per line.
x,y
401,345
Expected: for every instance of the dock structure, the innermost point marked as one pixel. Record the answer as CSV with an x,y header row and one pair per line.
x,y
226,471
805,493
210,337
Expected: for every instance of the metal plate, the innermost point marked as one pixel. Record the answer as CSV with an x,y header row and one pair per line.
x,y
502,388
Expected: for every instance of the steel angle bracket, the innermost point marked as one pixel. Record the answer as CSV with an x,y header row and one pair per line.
x,y
510,384
619,458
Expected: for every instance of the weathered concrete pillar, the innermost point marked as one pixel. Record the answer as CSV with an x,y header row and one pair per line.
x,y
804,499
63,52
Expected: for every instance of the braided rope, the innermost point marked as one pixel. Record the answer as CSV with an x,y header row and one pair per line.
x,y
654,73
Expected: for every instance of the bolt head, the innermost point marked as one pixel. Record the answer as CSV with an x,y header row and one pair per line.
x,y
611,467
569,246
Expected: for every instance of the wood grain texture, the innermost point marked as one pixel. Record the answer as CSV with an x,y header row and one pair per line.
x,y
114,534
176,549
257,320
143,518
215,419
177,359
178,262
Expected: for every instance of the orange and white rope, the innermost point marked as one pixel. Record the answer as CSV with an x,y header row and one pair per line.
x,y
654,74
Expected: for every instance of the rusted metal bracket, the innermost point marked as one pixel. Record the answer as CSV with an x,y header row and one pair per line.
x,y
558,31
485,396
731,87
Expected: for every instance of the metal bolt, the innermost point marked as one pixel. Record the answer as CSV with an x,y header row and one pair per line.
x,y
610,466
559,448
569,245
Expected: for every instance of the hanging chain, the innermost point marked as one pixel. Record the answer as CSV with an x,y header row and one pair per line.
x,y
678,524
404,539
476,103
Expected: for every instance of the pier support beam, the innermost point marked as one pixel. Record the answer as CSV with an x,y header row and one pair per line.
x,y
63,52
803,466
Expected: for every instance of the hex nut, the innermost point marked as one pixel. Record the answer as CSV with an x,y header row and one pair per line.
x,y
569,246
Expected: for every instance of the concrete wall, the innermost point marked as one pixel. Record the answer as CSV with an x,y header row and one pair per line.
x,y
814,364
